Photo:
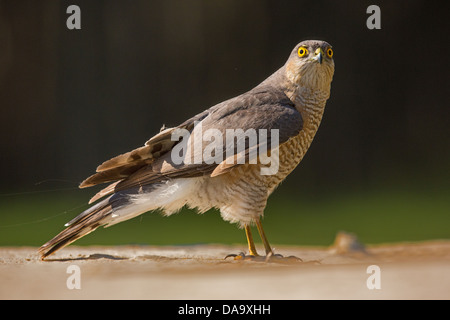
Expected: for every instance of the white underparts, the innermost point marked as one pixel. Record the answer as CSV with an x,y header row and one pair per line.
x,y
169,196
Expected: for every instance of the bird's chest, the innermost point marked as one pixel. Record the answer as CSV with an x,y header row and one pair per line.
x,y
292,152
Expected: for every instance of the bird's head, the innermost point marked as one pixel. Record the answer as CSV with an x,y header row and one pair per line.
x,y
311,65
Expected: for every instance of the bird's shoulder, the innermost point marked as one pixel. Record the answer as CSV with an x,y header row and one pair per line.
x,y
264,107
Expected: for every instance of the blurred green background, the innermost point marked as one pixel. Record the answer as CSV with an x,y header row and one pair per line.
x,y
70,99
376,217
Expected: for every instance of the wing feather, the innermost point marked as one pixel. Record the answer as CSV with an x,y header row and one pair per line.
x,y
261,108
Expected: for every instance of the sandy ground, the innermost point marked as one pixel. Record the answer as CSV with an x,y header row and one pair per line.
x,y
406,271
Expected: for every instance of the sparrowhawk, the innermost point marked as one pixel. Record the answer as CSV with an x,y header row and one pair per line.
x,y
289,103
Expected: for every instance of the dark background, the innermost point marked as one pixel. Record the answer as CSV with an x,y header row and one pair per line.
x,y
71,99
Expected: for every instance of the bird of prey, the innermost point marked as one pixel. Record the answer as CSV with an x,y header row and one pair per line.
x,y
289,105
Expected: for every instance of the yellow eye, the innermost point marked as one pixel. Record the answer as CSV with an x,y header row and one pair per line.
x,y
329,53
302,51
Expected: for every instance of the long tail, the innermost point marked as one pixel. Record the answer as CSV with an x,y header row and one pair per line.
x,y
98,215
170,195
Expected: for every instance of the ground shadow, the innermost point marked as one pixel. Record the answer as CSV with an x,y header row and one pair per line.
x,y
95,256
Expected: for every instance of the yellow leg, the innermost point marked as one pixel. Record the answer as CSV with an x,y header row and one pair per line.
x,y
263,237
253,255
251,244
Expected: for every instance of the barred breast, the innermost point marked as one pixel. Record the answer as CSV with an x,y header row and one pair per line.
x,y
293,151
241,195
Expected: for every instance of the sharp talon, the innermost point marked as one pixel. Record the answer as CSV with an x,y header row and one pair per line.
x,y
270,257
240,256
275,257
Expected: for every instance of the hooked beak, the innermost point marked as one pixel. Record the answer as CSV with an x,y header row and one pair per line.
x,y
318,55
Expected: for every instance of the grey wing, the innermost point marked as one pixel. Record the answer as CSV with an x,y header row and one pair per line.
x,y
262,108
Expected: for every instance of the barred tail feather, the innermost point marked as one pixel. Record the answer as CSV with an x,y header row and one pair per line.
x,y
170,196
83,224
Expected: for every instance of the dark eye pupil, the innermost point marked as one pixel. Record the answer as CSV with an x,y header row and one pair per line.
x,y
301,51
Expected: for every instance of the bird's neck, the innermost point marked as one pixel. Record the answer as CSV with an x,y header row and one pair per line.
x,y
309,101
311,105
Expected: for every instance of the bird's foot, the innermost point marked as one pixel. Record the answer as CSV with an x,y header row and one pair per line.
x,y
271,257
243,256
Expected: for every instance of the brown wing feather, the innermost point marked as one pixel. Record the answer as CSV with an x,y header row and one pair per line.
x,y
152,162
133,157
122,166
153,148
111,175
111,188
